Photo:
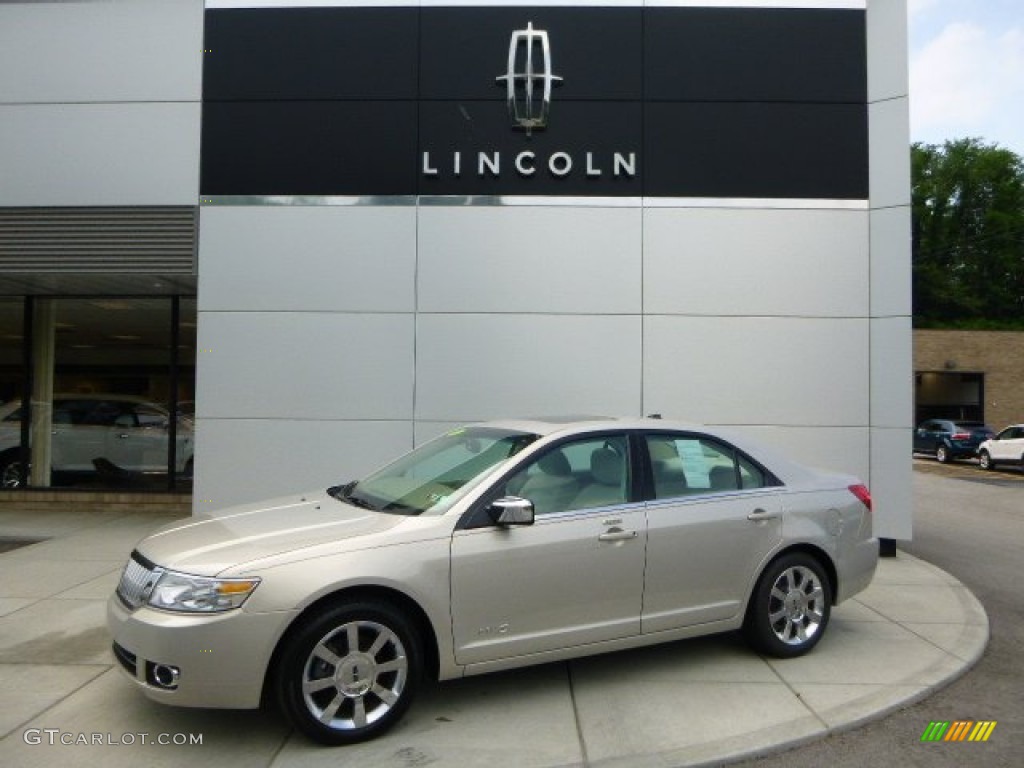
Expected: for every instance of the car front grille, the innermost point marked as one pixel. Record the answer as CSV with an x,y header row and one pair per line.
x,y
137,580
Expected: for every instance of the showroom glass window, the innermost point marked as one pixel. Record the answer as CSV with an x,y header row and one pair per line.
x,y
110,381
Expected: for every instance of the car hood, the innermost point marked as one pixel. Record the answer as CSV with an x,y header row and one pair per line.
x,y
208,545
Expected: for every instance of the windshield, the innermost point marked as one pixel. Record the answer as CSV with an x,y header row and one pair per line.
x,y
432,477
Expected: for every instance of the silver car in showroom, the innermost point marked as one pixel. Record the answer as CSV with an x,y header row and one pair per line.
x,y
494,546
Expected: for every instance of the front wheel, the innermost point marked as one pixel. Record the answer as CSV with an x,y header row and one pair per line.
x,y
10,473
985,460
790,607
942,454
349,673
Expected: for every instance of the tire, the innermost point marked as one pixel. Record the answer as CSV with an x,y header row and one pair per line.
x,y
349,673
790,607
985,461
10,473
942,454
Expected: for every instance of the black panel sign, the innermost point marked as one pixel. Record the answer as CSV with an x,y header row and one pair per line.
x,y
598,52
597,101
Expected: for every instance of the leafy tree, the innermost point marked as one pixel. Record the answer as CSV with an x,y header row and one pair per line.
x,y
968,235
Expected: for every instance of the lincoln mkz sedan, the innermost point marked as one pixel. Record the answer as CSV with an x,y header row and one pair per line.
x,y
494,546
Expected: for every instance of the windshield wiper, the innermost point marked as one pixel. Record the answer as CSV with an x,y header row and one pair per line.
x,y
344,493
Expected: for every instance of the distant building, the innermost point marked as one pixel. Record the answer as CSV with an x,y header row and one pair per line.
x,y
976,375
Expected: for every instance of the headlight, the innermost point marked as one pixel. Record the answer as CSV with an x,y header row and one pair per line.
x,y
199,594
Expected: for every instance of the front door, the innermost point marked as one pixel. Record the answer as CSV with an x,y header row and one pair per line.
x,y
573,577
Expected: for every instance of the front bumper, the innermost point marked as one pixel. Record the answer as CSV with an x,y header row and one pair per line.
x,y
222,658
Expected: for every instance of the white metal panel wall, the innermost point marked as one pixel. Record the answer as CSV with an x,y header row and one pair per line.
x,y
99,154
476,367
754,371
560,260
306,338
891,344
308,258
748,262
248,459
99,103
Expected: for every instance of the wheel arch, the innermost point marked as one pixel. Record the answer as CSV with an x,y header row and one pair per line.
x,y
355,594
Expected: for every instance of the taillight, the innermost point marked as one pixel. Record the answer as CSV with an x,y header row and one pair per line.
x,y
960,436
863,495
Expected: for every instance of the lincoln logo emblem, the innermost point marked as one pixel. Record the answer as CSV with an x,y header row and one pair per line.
x,y
529,79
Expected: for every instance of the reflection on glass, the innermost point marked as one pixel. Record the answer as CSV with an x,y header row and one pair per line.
x,y
104,386
12,387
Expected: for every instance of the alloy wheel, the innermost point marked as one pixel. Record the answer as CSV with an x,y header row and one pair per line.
x,y
795,609
354,675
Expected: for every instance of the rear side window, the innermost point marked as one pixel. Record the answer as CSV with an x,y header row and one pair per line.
x,y
685,465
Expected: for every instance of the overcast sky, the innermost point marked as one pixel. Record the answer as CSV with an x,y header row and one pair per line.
x,y
967,71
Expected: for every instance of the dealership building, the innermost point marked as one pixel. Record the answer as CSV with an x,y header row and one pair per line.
x,y
321,233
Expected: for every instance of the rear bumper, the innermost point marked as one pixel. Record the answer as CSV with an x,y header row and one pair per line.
x,y
963,450
857,569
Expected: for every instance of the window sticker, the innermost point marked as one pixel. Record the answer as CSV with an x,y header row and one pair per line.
x,y
695,463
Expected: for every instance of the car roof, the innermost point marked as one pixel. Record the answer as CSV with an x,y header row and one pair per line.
x,y
552,428
552,425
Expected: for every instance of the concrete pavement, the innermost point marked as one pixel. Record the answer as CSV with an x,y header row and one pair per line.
x,y
688,703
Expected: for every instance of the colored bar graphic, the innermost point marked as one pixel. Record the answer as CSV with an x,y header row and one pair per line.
x,y
982,730
935,731
958,730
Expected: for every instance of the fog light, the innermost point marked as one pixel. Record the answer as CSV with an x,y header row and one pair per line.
x,y
164,676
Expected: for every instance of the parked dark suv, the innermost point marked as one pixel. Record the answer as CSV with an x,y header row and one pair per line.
x,y
948,440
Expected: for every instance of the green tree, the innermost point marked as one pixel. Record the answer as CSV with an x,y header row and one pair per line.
x,y
968,235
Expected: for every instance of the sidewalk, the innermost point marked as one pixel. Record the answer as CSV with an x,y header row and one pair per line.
x,y
691,702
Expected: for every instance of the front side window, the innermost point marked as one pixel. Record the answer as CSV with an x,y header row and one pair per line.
x,y
683,465
432,477
582,474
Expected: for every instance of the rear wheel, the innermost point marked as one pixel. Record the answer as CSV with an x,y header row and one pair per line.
x,y
349,673
790,607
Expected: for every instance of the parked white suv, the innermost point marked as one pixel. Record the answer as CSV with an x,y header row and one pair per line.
x,y
129,433
1005,448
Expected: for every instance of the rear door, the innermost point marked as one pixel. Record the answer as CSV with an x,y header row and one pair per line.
x,y
714,517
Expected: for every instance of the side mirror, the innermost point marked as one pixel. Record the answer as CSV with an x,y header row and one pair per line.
x,y
511,510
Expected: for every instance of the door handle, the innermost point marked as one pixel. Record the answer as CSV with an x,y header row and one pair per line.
x,y
759,515
617,535
123,436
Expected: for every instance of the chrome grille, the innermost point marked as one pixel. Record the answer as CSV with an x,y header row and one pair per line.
x,y
136,581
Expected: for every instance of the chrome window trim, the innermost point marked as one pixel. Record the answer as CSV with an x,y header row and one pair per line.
x,y
710,495
572,514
